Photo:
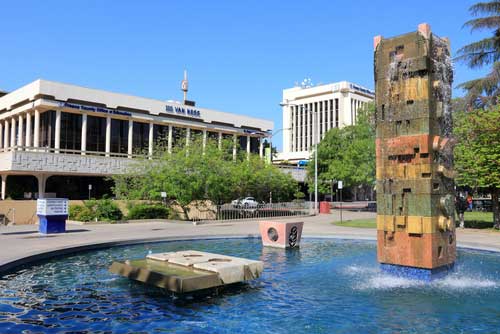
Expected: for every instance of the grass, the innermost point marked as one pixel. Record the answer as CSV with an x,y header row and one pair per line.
x,y
475,219
361,223
480,220
479,216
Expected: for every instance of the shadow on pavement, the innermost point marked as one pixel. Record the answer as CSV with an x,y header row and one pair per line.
x,y
36,232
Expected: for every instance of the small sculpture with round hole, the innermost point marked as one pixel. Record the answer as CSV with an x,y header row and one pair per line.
x,y
281,234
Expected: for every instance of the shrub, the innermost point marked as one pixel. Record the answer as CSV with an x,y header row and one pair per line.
x,y
80,213
107,210
148,211
103,210
85,215
299,195
480,224
74,211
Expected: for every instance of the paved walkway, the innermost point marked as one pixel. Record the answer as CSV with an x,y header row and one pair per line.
x,y
23,243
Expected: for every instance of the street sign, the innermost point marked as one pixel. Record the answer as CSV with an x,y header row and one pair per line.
x,y
163,194
340,185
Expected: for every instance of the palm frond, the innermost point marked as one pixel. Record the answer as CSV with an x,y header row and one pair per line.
x,y
483,91
490,22
491,7
480,53
486,44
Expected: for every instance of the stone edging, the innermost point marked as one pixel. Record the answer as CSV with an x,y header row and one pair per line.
x,y
45,255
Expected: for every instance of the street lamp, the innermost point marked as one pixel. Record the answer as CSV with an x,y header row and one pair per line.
x,y
316,136
271,139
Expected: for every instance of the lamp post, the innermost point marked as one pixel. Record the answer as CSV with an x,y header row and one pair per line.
x,y
271,139
316,140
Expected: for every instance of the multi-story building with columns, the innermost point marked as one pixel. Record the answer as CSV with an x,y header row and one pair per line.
x,y
50,129
335,105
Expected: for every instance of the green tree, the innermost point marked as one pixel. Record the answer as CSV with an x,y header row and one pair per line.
x,y
483,91
347,154
194,174
477,153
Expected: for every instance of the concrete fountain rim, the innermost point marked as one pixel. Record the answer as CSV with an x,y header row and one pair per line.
x,y
13,265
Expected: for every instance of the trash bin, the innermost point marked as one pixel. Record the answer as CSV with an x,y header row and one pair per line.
x,y
324,207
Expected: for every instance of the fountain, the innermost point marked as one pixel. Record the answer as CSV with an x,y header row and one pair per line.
x,y
415,202
188,271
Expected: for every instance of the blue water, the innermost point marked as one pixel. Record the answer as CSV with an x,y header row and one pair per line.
x,y
328,286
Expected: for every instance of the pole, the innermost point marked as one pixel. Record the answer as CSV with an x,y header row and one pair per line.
x,y
316,165
331,191
341,206
271,143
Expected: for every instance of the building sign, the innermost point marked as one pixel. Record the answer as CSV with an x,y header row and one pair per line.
x,y
52,206
190,112
94,109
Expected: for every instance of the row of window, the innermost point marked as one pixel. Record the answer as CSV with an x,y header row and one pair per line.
x,y
355,105
71,128
302,122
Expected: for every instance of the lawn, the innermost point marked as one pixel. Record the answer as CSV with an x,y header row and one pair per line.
x,y
479,216
476,219
473,219
362,223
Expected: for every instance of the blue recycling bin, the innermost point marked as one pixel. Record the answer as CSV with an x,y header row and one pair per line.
x,y
52,215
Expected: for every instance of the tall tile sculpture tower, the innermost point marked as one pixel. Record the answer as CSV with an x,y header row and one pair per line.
x,y
415,194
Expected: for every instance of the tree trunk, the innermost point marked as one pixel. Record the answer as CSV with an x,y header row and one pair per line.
x,y
495,206
186,212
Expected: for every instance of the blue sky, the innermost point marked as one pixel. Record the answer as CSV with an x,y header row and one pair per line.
x,y
239,54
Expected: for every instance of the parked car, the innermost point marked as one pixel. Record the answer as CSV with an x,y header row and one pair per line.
x,y
236,203
482,204
246,202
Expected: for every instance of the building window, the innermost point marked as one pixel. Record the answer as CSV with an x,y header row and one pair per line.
x,y
297,134
119,136
213,137
160,135
336,113
196,135
96,134
178,136
306,117
242,140
311,139
254,144
320,121
140,138
71,131
352,112
227,143
331,125
47,128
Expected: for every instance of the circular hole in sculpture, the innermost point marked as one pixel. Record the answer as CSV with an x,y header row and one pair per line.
x,y
272,234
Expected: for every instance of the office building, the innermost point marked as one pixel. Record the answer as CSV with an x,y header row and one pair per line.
x,y
50,129
336,106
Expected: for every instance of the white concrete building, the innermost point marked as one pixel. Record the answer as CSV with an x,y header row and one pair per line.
x,y
335,106
49,129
